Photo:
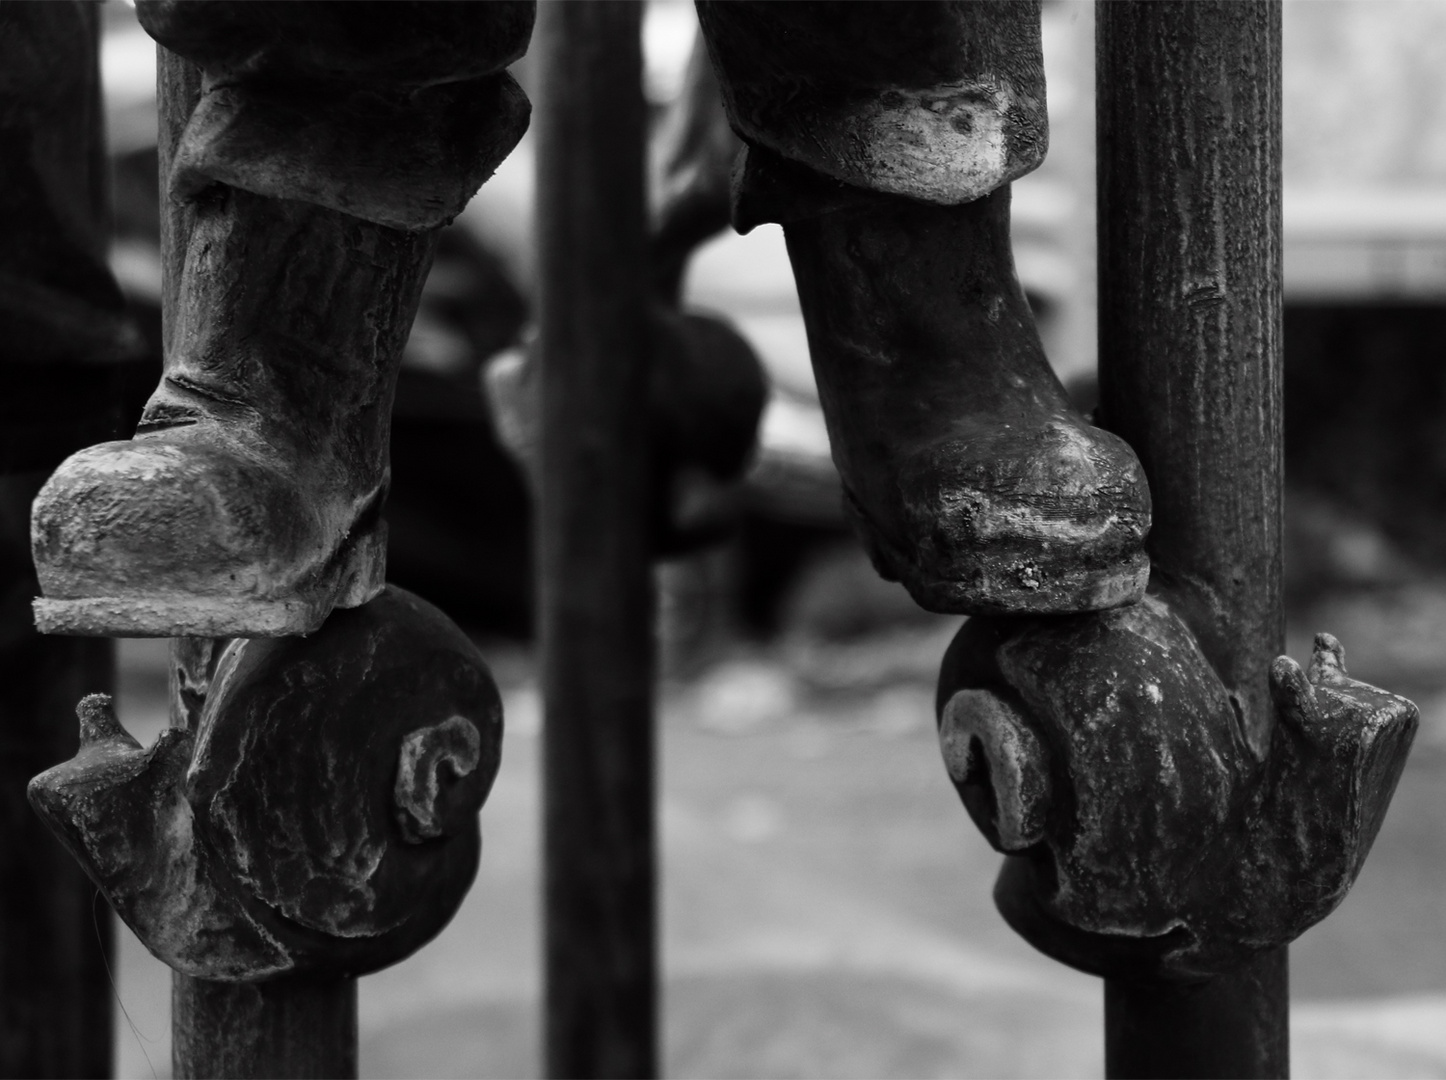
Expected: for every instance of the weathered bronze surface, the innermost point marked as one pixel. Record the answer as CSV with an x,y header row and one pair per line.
x,y
883,139
1104,754
327,144
1172,815
250,500
937,101
319,815
308,156
969,475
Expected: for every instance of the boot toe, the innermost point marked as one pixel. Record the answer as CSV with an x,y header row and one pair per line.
x,y
154,522
1013,521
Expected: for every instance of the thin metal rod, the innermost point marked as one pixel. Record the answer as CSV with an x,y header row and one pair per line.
x,y
56,1001
284,1029
281,1029
595,586
56,934
1188,133
290,1029
1233,1026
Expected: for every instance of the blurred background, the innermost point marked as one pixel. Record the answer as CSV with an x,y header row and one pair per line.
x,y
826,902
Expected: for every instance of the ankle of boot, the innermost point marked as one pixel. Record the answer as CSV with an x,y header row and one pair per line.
x,y
769,188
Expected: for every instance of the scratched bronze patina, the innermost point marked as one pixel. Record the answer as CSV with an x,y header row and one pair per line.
x,y
1105,756
317,818
328,144
883,138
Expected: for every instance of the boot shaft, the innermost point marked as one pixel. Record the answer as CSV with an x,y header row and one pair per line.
x,y
909,306
292,318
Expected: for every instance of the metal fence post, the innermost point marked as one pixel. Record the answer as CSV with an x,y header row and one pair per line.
x,y
1190,375
61,323
232,1029
594,564
56,935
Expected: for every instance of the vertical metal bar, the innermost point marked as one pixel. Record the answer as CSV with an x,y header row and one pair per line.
x,y
1234,1026
56,935
56,999
290,1029
1190,374
285,1029
595,586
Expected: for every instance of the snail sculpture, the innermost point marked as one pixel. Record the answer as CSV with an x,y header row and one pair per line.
x,y
319,818
1104,755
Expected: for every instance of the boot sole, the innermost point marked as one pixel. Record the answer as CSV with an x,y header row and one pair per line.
x,y
1023,586
355,575
1008,583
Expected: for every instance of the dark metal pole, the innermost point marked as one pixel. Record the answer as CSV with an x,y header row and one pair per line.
x,y
291,1029
286,1029
1190,375
56,999
595,585
229,1029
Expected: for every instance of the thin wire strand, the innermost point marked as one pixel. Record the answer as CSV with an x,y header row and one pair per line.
x,y
141,1040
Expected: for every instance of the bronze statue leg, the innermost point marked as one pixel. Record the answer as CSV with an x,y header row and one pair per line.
x,y
329,143
883,138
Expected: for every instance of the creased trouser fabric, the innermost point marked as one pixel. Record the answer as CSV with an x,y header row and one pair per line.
x,y
939,100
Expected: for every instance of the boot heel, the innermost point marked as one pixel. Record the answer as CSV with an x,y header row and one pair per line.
x,y
363,561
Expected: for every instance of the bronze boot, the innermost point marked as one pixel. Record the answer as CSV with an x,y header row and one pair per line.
x,y
883,137
249,502
328,144
965,469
